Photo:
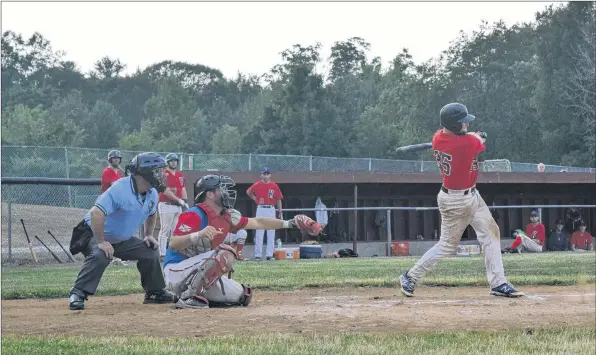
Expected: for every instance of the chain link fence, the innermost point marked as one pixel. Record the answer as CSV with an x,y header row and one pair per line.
x,y
69,162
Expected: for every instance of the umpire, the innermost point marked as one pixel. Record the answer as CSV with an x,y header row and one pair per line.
x,y
108,230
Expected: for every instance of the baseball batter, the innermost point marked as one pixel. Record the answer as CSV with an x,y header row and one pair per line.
x,y
201,252
460,204
171,201
266,195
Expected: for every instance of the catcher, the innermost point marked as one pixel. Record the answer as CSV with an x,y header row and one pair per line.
x,y
198,256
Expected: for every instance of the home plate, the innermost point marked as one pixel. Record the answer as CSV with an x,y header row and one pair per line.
x,y
536,298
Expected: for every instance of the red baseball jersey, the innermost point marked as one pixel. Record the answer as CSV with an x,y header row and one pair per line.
x,y
266,193
108,177
581,240
537,232
190,221
173,180
457,157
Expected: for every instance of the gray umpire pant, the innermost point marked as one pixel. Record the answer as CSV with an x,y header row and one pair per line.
x,y
132,249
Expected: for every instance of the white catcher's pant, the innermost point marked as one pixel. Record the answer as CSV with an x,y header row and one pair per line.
x,y
457,212
174,274
527,244
259,233
168,218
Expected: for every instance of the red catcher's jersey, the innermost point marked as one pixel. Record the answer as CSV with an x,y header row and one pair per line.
x,y
266,193
108,177
173,180
190,221
457,157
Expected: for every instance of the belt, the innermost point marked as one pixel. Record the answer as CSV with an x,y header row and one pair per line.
x,y
171,204
458,192
266,206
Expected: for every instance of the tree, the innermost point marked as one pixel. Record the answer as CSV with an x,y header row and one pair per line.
x,y
107,68
226,140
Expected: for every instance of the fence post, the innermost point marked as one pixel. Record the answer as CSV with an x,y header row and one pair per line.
x,y
68,175
421,165
369,165
9,230
388,224
249,161
310,163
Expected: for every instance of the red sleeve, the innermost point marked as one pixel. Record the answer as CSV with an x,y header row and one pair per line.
x,y
278,194
528,230
477,145
573,239
105,176
251,189
188,222
240,225
589,237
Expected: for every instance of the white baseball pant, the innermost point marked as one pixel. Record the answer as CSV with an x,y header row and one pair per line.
x,y
168,218
264,211
528,244
174,274
457,212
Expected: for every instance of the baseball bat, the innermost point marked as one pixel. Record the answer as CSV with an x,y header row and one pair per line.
x,y
29,241
65,251
50,250
413,148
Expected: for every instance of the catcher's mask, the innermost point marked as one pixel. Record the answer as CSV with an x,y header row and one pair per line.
x,y
150,167
211,183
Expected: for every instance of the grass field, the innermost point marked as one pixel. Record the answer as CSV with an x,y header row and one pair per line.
x,y
521,269
559,334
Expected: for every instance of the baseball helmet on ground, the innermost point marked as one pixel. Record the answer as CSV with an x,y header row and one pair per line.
x,y
453,115
150,166
211,183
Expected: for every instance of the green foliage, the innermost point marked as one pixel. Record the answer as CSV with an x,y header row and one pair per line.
x,y
530,85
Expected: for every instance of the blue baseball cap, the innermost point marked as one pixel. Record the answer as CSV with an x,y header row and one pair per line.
x,y
265,170
534,213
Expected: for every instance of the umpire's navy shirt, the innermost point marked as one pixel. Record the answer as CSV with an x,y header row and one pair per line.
x,y
125,209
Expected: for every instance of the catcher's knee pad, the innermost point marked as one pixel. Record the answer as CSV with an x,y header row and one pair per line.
x,y
210,270
229,293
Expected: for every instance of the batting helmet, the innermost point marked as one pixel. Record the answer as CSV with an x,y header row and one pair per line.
x,y
171,156
114,154
211,183
149,166
453,115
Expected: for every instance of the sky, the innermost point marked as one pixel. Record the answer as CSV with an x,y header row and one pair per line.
x,y
248,37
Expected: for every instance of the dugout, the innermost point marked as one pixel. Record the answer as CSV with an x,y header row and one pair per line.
x,y
301,190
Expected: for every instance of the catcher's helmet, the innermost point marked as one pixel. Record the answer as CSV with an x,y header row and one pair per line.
x,y
211,183
149,166
453,115
172,156
114,154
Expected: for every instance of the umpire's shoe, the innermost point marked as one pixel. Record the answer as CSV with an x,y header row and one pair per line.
x,y
76,300
407,285
506,290
160,297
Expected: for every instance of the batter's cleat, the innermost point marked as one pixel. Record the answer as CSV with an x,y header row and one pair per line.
x,y
192,302
407,285
76,300
506,290
160,297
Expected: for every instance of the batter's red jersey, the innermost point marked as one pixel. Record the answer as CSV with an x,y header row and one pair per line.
x,y
581,240
108,177
173,180
190,221
266,193
537,232
457,157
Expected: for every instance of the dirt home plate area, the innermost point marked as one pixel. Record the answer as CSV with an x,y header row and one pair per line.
x,y
321,311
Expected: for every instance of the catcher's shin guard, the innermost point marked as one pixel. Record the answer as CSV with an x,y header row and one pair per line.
x,y
229,293
210,270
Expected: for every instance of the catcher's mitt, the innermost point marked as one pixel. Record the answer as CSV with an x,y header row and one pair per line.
x,y
306,224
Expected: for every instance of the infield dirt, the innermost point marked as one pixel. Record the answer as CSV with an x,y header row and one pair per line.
x,y
325,311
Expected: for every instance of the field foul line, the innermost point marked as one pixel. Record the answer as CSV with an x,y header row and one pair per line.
x,y
532,297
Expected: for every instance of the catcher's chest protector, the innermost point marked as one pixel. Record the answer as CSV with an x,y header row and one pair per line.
x,y
217,221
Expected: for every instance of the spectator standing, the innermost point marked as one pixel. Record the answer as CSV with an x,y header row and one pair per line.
x,y
558,240
171,201
581,240
266,194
